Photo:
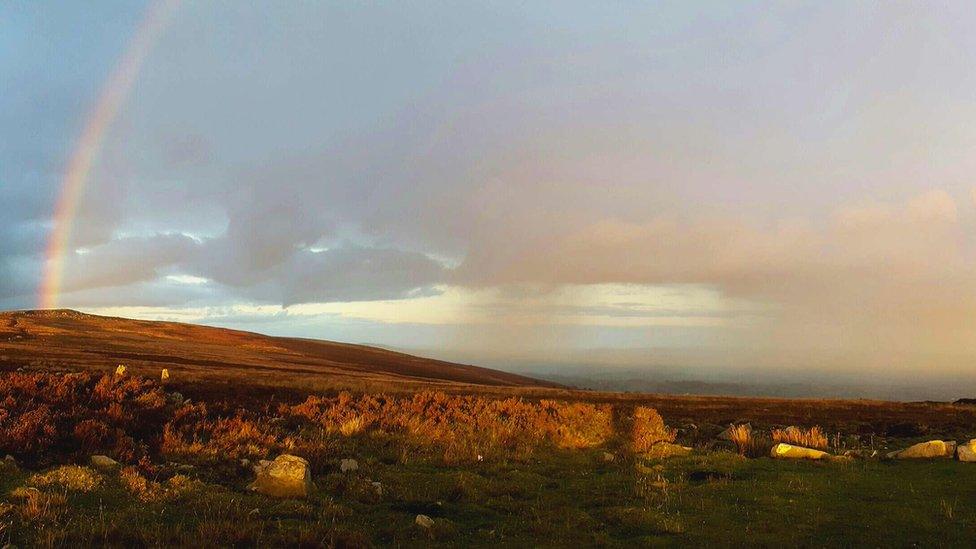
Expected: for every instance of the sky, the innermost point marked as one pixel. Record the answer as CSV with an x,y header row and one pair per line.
x,y
773,189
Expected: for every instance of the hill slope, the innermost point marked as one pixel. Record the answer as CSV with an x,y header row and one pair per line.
x,y
65,339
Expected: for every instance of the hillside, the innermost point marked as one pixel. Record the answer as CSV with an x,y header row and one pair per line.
x,y
70,340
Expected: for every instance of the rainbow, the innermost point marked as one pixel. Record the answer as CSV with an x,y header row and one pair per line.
x,y
113,96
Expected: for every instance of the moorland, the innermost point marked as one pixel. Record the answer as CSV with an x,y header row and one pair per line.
x,y
407,451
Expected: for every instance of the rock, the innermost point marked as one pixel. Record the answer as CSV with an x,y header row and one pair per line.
x,y
930,449
789,451
663,449
164,375
261,466
348,465
608,457
120,370
967,452
103,462
727,433
377,487
286,476
424,522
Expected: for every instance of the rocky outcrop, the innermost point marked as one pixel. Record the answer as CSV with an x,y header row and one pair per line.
x,y
930,449
967,452
286,477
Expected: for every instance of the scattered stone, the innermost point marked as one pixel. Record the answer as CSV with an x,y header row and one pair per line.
x,y
789,451
930,449
261,466
377,488
120,370
72,477
164,375
608,457
424,522
348,465
286,476
245,463
967,452
663,449
103,462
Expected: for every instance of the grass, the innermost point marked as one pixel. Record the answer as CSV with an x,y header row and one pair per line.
x,y
570,498
505,472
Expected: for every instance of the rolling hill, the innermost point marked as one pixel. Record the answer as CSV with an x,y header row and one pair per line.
x,y
70,340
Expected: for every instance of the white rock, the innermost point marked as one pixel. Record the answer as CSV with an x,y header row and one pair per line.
x,y
348,465
967,452
930,449
789,451
103,462
286,476
424,522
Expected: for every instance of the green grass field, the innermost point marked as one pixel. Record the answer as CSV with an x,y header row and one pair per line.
x,y
570,498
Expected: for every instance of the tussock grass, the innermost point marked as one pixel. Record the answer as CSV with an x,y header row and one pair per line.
x,y
813,437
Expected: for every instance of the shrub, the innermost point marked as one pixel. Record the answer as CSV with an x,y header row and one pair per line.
x,y
463,427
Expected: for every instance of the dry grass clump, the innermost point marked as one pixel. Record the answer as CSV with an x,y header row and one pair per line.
x,y
71,477
151,491
749,443
649,429
193,435
36,505
809,438
465,426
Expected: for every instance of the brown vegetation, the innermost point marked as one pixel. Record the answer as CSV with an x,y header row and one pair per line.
x,y
808,438
748,442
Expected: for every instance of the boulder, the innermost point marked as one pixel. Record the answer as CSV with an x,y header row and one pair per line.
x,y
663,449
348,465
789,451
287,476
930,449
967,452
424,522
103,462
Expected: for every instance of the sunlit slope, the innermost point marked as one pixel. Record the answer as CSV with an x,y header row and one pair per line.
x,y
64,339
